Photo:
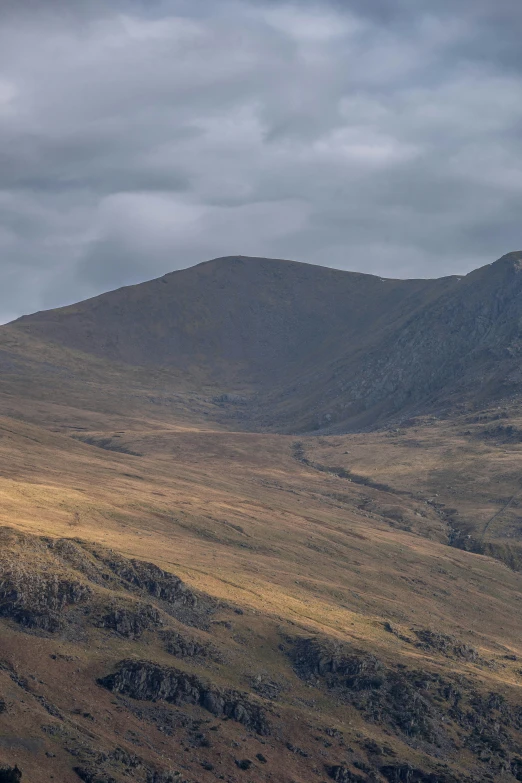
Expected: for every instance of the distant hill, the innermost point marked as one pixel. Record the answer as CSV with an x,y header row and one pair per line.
x,y
307,347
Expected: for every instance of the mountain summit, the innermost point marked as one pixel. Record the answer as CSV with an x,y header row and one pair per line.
x,y
312,347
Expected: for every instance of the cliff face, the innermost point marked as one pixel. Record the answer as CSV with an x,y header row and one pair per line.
x,y
464,345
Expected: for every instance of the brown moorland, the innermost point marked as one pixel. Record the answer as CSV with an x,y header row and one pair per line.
x,y
349,604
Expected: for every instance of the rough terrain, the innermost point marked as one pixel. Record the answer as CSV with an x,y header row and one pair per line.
x,y
207,573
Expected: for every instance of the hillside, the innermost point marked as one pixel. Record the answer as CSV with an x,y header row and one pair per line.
x,y
260,521
334,612
309,347
257,317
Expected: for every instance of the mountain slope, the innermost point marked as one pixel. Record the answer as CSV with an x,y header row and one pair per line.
x,y
309,347
325,630
187,594
235,314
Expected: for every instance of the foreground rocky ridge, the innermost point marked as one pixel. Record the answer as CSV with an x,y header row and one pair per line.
x,y
54,587
98,605
428,709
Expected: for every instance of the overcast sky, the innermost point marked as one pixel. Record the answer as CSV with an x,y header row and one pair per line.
x,y
141,137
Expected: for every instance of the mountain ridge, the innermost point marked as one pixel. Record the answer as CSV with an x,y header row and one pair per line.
x,y
348,340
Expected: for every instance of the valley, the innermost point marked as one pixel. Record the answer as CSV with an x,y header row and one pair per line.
x,y
264,537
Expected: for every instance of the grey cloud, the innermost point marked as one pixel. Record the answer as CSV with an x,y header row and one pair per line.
x,y
140,137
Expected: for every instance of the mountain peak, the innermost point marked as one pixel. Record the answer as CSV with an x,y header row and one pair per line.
x,y
511,260
311,342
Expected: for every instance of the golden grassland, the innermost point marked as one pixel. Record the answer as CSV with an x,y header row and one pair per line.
x,y
334,535
236,515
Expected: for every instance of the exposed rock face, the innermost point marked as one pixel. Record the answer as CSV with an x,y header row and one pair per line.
x,y
343,775
91,776
384,696
74,553
131,622
38,600
165,777
447,645
147,577
10,775
322,657
147,681
58,575
516,768
469,335
267,688
419,705
105,567
404,773
395,773
185,647
116,766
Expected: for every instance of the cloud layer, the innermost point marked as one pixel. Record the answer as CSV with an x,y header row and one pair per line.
x,y
141,137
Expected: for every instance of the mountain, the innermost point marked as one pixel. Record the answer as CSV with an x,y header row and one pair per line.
x,y
261,521
309,347
250,315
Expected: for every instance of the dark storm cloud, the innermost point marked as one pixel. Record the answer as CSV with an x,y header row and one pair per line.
x,y
139,137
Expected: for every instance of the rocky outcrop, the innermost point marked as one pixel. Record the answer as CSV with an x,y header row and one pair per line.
x,y
267,688
342,774
56,585
449,646
516,768
10,775
404,773
148,681
131,622
38,599
394,773
182,646
75,554
116,766
147,577
155,776
92,776
106,567
148,580
384,696
417,705
321,657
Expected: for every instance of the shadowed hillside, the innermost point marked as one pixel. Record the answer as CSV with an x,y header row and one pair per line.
x,y
305,347
262,317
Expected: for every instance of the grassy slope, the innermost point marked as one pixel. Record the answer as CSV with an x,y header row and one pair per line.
x,y
300,550
336,536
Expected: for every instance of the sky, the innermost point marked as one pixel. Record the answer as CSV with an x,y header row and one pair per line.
x,y
142,136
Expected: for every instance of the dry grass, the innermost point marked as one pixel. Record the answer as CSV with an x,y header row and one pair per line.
x,y
236,515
